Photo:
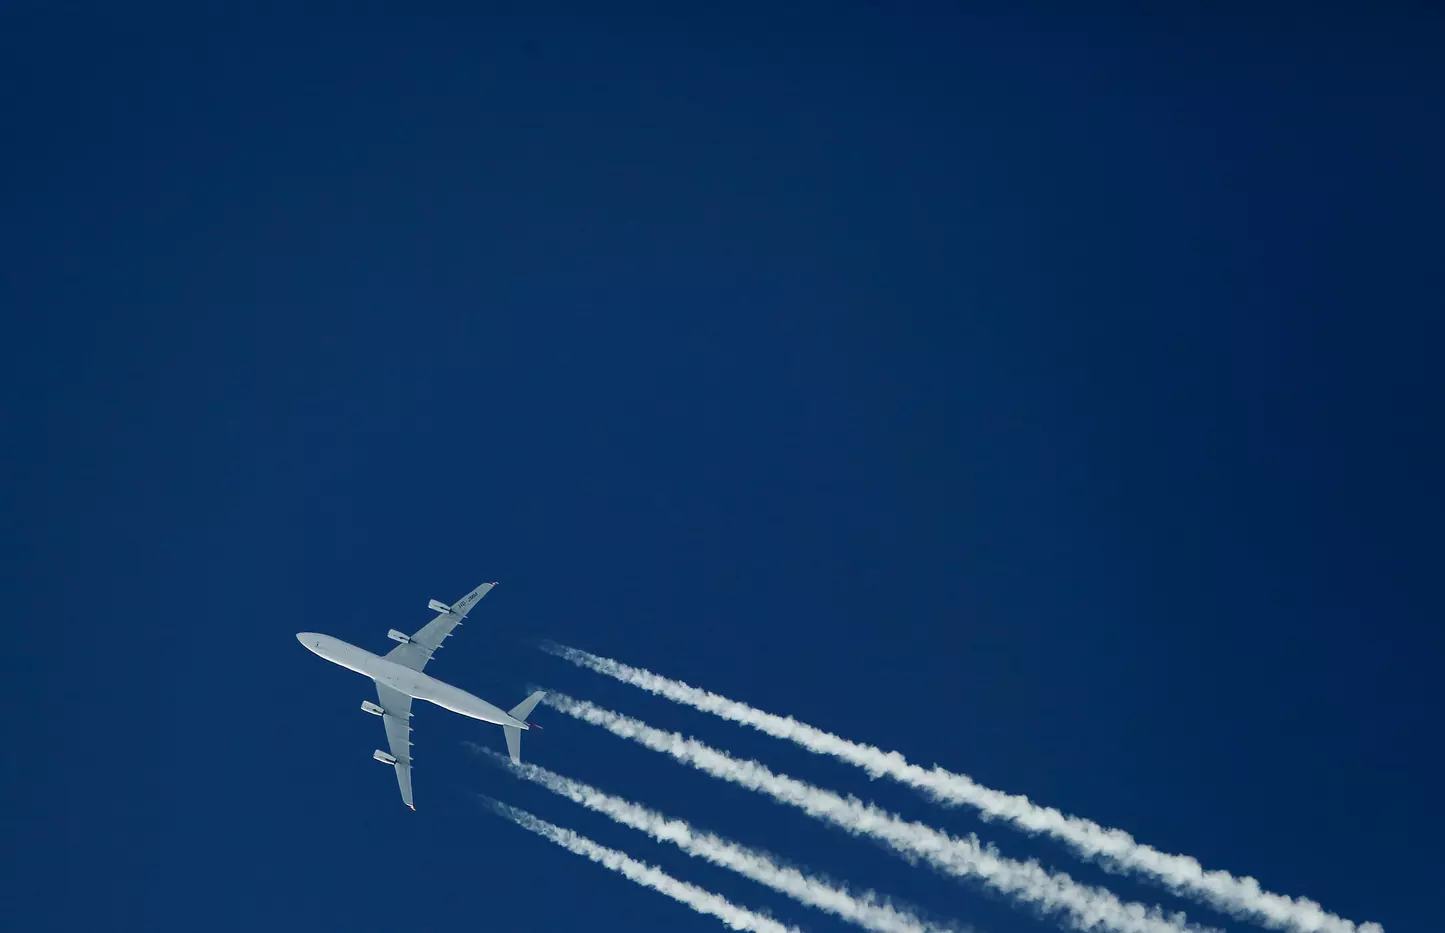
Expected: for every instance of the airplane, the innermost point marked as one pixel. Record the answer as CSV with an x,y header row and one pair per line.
x,y
399,680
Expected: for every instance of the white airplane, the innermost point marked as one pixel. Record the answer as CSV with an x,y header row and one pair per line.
x,y
399,680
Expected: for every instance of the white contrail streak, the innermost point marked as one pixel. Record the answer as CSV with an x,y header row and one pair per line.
x,y
867,909
700,900
1113,848
1084,907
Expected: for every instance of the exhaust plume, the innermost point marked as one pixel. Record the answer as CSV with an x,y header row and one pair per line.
x,y
700,900
865,909
1113,849
1082,907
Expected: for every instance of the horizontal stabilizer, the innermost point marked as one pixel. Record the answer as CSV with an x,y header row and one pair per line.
x,y
524,709
519,712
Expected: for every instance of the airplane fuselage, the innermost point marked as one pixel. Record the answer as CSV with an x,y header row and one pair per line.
x,y
405,680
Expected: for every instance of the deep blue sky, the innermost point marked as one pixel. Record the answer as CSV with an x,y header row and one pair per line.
x,y
1056,397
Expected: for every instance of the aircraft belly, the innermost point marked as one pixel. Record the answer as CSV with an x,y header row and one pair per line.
x,y
424,687
347,655
459,701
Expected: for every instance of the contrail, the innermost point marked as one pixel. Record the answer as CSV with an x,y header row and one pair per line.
x,y
700,900
866,909
1086,908
1112,848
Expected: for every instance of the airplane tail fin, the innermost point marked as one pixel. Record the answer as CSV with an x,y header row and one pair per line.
x,y
514,735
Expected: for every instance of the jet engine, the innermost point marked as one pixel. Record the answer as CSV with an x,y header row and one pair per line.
x,y
436,605
384,757
372,708
402,637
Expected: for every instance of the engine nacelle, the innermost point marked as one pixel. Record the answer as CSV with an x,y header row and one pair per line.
x,y
385,758
436,605
402,637
372,708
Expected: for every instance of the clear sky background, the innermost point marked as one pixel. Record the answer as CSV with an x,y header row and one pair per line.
x,y
1053,396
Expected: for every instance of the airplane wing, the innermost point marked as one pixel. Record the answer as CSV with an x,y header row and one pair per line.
x,y
397,719
420,648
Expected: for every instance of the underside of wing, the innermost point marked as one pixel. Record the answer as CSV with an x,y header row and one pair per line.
x,y
396,716
419,648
